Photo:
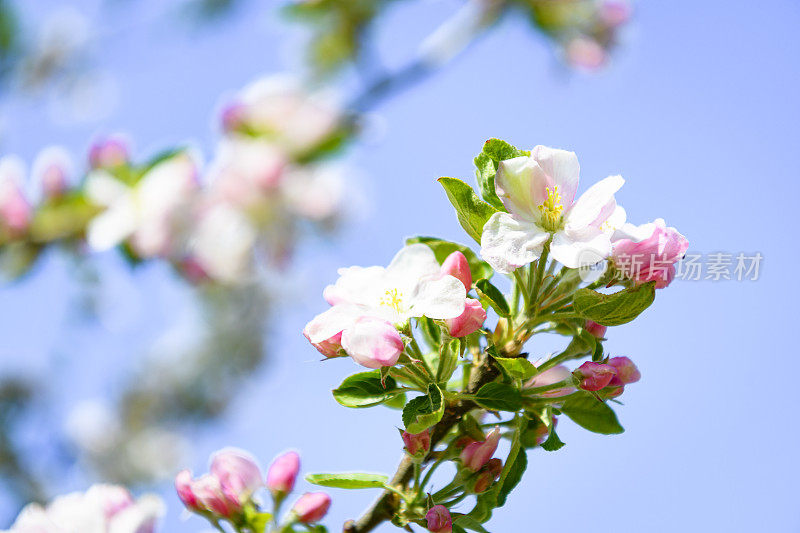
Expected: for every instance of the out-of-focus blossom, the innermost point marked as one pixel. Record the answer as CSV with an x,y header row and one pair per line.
x,y
469,321
101,509
52,170
283,473
245,168
411,286
615,13
146,212
648,252
477,454
15,210
417,444
557,374
279,109
109,153
439,519
222,243
315,192
456,265
538,191
312,507
594,376
585,53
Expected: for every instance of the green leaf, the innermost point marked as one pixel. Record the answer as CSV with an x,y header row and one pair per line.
x,y
499,397
458,529
467,522
486,164
398,401
365,390
349,480
441,249
472,211
256,521
617,308
492,295
552,443
517,367
592,414
514,476
499,150
424,411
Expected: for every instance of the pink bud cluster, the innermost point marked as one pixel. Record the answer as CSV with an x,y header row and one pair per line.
x,y
477,457
614,374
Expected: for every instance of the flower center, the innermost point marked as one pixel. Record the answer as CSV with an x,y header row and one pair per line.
x,y
393,298
551,210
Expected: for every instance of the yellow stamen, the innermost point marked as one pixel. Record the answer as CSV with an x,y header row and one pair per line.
x,y
393,298
551,209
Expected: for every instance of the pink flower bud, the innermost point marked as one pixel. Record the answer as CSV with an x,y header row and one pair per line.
x,y
477,454
51,170
626,371
594,376
211,497
108,153
595,329
372,342
184,487
439,519
648,252
417,444
234,116
237,472
488,475
311,507
469,321
615,13
585,53
548,377
283,473
456,265
329,347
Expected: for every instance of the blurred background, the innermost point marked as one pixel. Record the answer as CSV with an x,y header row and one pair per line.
x,y
111,358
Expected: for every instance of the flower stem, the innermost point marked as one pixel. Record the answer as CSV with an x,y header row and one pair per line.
x,y
538,276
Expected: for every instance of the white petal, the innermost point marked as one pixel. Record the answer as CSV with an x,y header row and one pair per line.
x,y
104,189
577,252
413,262
521,185
334,320
634,233
509,242
591,203
616,220
440,298
358,285
113,225
166,185
563,169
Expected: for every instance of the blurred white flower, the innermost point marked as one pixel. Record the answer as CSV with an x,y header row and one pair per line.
x,y
92,426
222,243
314,192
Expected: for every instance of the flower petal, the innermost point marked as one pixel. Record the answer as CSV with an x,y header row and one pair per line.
x,y
586,250
509,242
104,189
562,168
521,185
591,204
439,298
325,325
113,225
413,262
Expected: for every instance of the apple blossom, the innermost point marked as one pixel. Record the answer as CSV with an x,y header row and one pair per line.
x,y
109,153
144,212
585,53
418,444
222,241
439,519
15,210
469,321
311,507
372,342
626,371
594,376
538,191
648,252
283,473
52,169
477,454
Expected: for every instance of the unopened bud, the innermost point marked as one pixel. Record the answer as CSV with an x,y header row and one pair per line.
x,y
626,371
418,444
594,376
283,473
439,519
595,329
456,265
477,454
469,321
312,507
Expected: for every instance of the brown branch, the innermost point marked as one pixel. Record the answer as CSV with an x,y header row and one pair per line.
x,y
386,506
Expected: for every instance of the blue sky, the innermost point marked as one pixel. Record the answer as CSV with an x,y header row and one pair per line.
x,y
698,112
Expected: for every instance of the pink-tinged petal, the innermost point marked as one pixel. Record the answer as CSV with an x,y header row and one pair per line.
x,y
595,329
184,485
312,507
509,242
438,298
373,342
237,470
418,444
356,285
439,520
592,247
562,169
469,321
550,376
626,371
283,473
456,265
521,185
591,203
648,252
332,322
477,454
594,376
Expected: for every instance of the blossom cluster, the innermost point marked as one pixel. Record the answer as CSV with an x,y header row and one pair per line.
x,y
210,222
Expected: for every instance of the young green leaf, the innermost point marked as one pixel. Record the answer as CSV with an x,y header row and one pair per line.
x,y
514,476
517,367
592,414
492,295
467,522
499,397
441,249
348,480
616,308
424,411
365,390
472,211
485,171
552,443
